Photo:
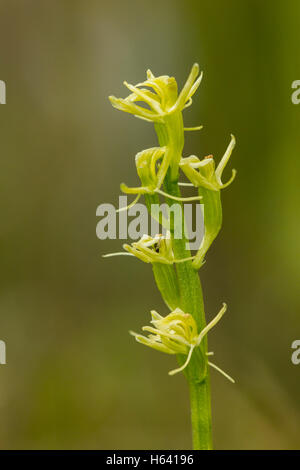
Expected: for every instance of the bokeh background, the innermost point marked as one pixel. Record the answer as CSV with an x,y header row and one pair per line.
x,y
74,378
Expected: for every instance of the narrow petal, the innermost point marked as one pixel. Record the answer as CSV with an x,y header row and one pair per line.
x,y
212,324
144,96
184,94
221,371
151,343
175,371
224,160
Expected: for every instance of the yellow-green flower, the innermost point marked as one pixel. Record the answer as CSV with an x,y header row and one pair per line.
x,y
156,249
202,173
177,333
161,96
147,161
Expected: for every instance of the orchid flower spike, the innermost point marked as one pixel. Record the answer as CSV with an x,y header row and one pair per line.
x,y
160,96
176,333
152,250
203,172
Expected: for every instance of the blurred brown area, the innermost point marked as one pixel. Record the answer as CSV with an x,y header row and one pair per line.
x,y
74,378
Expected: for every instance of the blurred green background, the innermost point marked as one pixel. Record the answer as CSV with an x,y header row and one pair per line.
x,y
74,378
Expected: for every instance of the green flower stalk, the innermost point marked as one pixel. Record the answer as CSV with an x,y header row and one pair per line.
x,y
183,331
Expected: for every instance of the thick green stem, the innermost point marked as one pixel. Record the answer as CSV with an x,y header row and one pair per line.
x,y
200,415
191,301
